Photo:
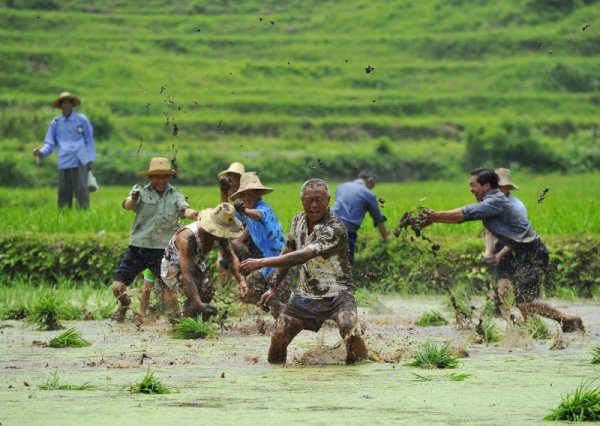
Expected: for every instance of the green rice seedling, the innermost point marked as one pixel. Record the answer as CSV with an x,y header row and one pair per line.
x,y
431,319
420,378
69,339
45,311
150,385
431,356
53,383
458,377
491,333
596,355
536,327
583,405
189,328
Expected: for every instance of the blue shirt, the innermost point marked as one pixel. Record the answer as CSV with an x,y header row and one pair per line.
x,y
352,201
518,205
74,137
266,233
501,218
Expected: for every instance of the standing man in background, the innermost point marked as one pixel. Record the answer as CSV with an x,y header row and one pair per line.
x,y
73,134
352,201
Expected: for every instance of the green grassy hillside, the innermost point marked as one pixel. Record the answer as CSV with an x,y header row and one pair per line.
x,y
280,84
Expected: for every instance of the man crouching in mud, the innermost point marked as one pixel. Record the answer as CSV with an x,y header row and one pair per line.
x,y
184,262
512,229
318,244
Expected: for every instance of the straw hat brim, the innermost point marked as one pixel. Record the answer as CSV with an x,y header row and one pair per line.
x,y
75,99
162,172
224,172
265,190
206,222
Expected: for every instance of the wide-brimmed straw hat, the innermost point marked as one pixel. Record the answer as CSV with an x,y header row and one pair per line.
x,y
221,221
504,178
66,95
158,166
250,181
235,167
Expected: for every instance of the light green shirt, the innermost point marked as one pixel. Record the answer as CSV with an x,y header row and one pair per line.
x,y
156,217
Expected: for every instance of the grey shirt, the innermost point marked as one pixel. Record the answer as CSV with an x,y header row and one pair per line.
x,y
501,218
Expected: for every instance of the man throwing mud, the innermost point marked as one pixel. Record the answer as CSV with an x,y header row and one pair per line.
x,y
184,268
318,244
511,228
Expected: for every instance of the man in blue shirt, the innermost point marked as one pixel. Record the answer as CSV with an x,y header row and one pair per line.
x,y
265,230
511,228
352,201
73,134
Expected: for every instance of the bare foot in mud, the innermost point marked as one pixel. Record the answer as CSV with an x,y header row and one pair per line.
x,y
356,350
572,324
120,314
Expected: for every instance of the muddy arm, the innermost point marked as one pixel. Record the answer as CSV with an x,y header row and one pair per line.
x,y
186,242
288,260
489,243
445,216
234,262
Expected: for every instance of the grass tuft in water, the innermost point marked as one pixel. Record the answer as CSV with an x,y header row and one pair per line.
x,y
431,356
583,405
69,339
596,355
537,328
150,385
189,328
491,333
45,312
431,319
53,383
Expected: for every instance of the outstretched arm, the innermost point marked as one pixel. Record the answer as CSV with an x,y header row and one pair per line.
x,y
286,260
444,216
235,265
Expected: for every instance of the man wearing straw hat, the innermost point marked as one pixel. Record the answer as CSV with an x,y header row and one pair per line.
x,y
265,230
158,207
183,267
229,180
318,245
73,134
499,255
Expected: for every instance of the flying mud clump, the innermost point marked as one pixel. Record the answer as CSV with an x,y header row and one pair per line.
x,y
415,220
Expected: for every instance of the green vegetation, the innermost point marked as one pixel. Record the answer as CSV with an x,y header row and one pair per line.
x,y
69,339
447,73
189,328
583,405
431,356
458,377
537,328
431,319
53,383
45,311
489,332
150,385
596,355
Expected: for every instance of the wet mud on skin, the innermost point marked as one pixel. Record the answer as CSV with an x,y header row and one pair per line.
x,y
227,380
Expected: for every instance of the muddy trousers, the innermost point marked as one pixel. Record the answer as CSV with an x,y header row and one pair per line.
x,y
73,182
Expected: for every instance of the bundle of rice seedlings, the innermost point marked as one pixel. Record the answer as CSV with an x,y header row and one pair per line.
x,y
596,355
69,339
189,328
45,312
432,356
431,319
150,385
53,383
537,328
491,333
583,405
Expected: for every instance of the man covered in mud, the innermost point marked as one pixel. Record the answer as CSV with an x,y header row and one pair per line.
x,y
512,229
184,266
318,244
158,207
263,227
352,202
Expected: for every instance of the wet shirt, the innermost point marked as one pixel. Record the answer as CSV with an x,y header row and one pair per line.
x,y
518,205
156,217
74,137
172,251
330,272
352,201
266,233
501,218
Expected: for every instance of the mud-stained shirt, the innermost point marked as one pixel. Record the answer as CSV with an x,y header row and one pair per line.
x,y
330,272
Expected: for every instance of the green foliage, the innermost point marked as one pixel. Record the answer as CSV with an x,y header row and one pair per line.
x,y
150,385
536,327
565,293
582,405
189,328
431,319
45,311
69,339
491,333
53,383
596,355
431,356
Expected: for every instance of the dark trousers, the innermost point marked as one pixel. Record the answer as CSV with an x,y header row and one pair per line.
x,y
351,245
73,182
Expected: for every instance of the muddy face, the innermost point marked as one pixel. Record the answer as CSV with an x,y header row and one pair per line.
x,y
249,198
477,189
159,182
235,181
315,202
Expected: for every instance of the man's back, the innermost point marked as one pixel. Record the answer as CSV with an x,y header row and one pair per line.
x,y
352,201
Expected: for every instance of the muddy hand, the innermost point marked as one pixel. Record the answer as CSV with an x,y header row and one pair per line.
x,y
249,265
135,194
243,288
425,219
267,297
239,206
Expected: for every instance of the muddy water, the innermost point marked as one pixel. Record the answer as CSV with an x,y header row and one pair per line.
x,y
227,380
